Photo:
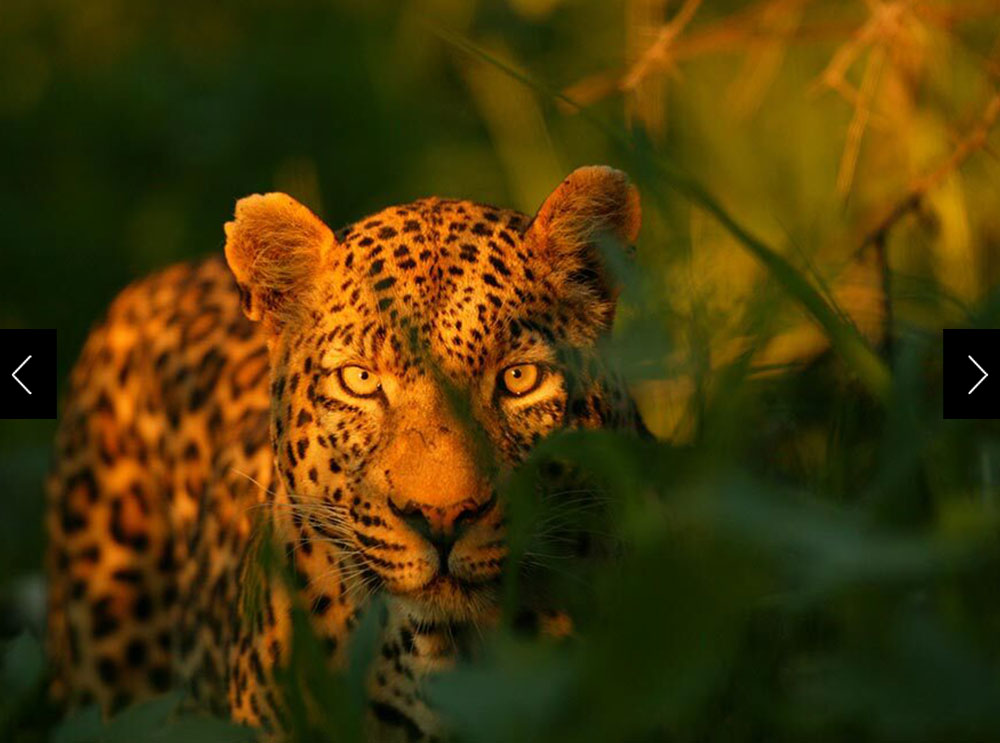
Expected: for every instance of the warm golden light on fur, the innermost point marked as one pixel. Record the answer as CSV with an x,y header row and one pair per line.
x,y
356,396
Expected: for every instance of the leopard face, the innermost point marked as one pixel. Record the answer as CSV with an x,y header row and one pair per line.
x,y
417,356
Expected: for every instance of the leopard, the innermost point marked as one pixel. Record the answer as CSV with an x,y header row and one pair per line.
x,y
353,398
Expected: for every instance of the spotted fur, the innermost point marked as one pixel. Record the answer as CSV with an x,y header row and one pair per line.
x,y
206,411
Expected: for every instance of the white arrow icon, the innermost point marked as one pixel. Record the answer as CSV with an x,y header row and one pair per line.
x,y
985,374
14,374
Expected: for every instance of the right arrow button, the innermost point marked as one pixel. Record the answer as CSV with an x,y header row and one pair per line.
x,y
982,378
968,357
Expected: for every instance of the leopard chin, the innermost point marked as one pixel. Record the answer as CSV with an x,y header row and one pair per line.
x,y
445,598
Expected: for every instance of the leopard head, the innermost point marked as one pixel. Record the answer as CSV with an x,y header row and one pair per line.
x,y
418,355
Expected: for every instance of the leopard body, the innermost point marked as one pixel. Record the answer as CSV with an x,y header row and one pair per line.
x,y
346,397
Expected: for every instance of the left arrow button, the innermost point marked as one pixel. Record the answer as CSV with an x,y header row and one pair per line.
x,y
27,373
14,374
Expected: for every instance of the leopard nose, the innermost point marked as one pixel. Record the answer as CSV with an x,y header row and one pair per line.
x,y
442,527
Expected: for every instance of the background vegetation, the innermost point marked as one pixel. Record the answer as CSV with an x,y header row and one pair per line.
x,y
809,551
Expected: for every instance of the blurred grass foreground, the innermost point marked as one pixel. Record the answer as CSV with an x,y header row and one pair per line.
x,y
807,551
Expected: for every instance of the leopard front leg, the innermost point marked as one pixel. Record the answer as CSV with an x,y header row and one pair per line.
x,y
411,649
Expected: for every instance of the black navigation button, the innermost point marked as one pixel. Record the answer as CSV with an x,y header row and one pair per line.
x,y
971,373
27,374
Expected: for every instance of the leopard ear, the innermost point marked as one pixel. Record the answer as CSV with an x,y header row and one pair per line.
x,y
595,209
275,247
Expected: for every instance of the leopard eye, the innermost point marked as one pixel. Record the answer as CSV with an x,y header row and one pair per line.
x,y
520,379
359,381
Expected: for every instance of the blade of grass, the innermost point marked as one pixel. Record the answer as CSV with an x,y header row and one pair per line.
x,y
844,337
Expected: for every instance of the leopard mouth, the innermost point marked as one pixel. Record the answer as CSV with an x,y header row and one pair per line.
x,y
446,596
442,590
448,582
